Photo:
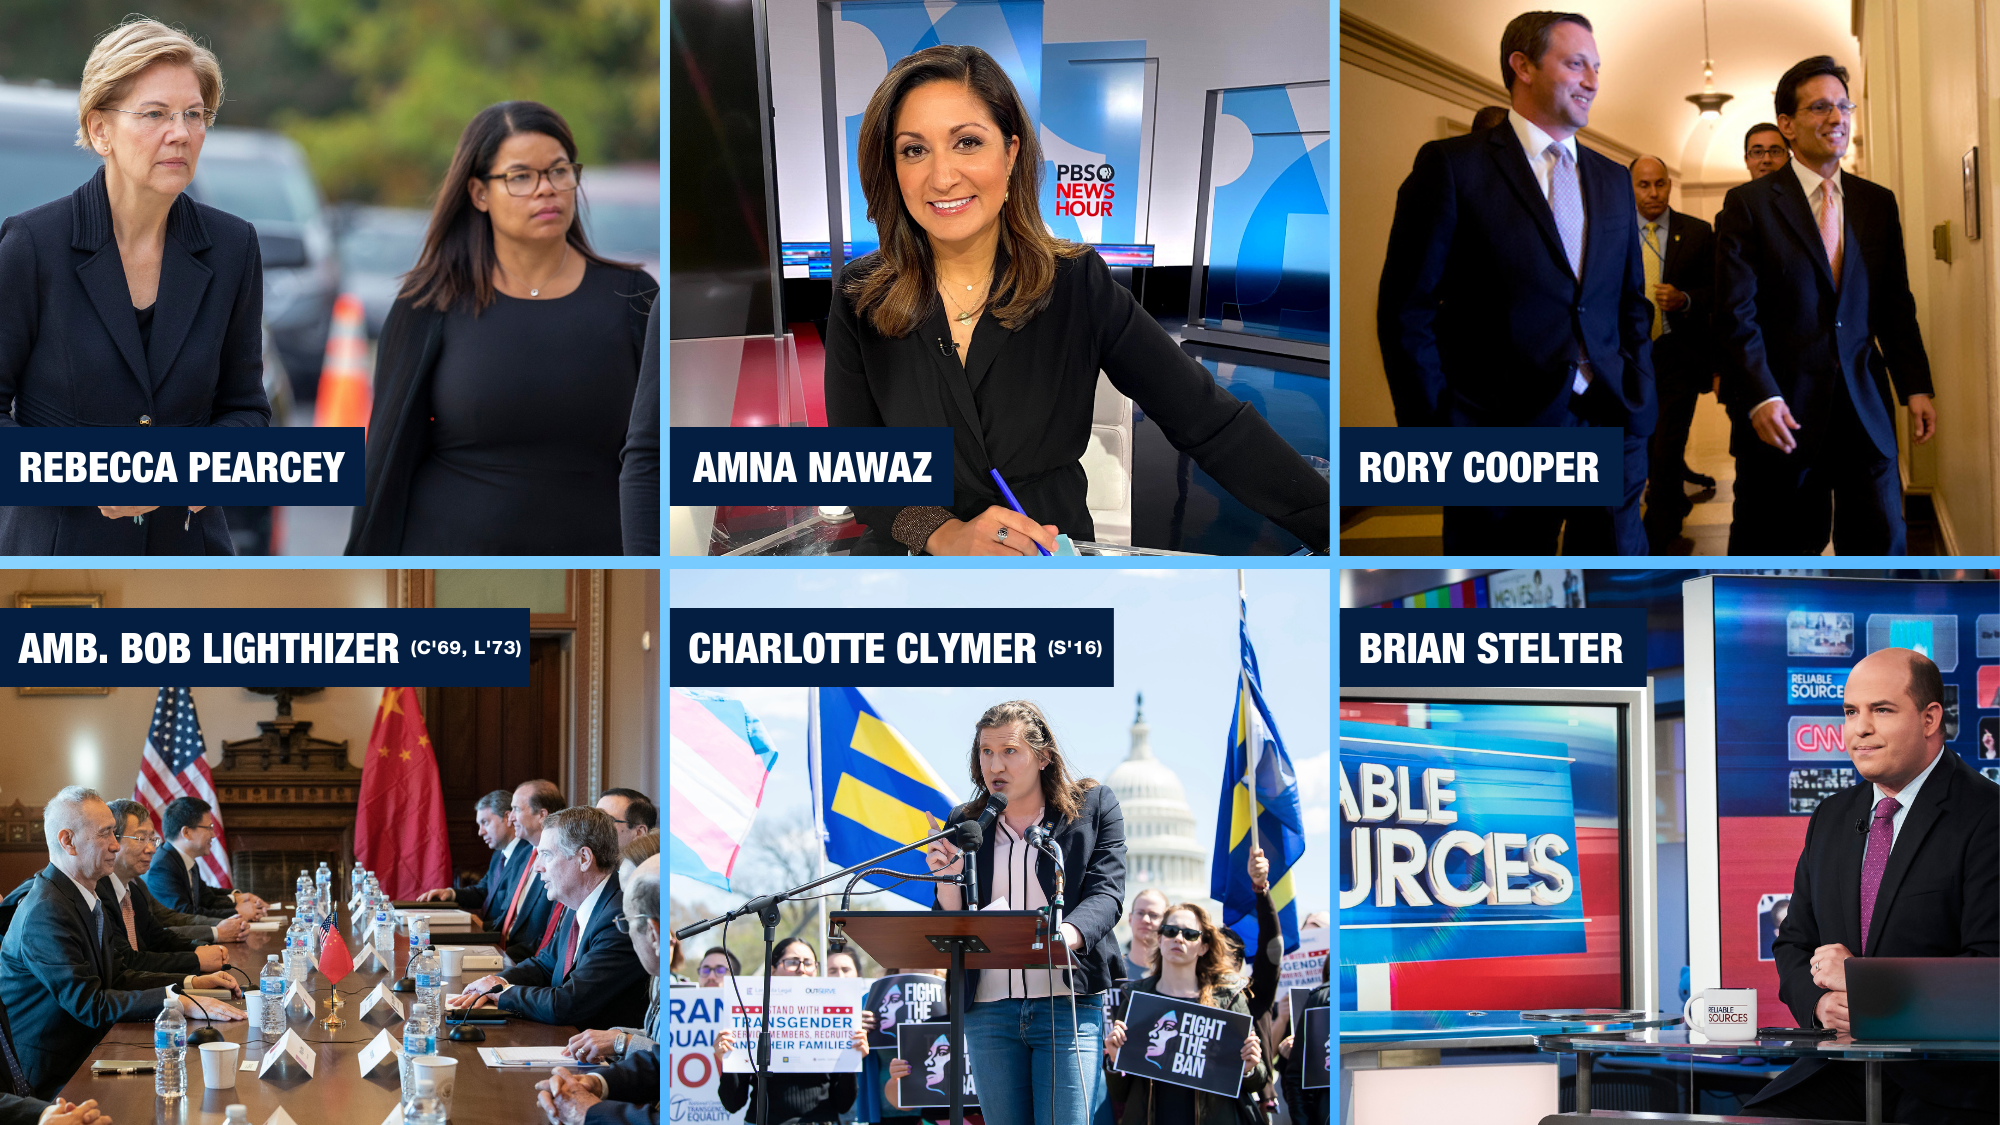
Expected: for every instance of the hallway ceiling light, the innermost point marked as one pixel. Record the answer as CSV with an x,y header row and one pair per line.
x,y
1709,101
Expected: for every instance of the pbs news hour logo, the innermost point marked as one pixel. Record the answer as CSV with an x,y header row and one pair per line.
x,y
1085,191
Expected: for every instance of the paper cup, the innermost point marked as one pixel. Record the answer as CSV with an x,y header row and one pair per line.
x,y
253,1010
451,959
441,1071
218,1064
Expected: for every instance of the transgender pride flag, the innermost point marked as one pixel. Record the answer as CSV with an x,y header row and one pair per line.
x,y
718,764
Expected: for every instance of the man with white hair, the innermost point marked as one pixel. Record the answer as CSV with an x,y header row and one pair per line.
x,y
628,1093
60,979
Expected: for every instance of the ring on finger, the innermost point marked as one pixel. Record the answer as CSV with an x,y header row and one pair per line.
x,y
1001,535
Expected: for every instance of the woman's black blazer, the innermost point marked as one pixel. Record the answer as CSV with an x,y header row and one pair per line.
x,y
70,353
1022,403
399,426
1093,848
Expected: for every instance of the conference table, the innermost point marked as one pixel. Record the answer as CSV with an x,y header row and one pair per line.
x,y
336,1093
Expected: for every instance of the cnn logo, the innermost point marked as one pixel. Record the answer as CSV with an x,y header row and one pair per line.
x,y
1814,739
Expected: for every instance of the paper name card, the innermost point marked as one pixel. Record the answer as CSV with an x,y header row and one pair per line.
x,y
380,995
472,961
280,1117
395,1116
292,1047
268,927
299,991
381,1047
367,951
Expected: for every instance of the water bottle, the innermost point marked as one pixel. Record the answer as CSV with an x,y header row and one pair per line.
x,y
236,1115
295,942
385,933
419,1038
302,890
323,909
425,968
272,984
425,1108
170,1040
355,875
323,877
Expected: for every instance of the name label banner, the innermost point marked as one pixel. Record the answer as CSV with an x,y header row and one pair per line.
x,y
833,466
1183,1043
927,1048
1512,466
891,647
1493,648
67,647
813,1020
66,465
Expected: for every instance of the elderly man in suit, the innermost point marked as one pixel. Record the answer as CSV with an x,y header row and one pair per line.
x,y
1918,881
511,856
1679,255
60,978
628,1093
588,976
142,941
189,825
1810,280
1513,292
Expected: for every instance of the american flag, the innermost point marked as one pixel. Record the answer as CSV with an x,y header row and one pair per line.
x,y
173,766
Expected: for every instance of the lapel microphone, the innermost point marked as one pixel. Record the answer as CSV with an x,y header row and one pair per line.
x,y
946,348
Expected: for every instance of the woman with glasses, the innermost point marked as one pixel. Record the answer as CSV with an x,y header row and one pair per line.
x,y
505,376
1032,1034
795,1099
1188,965
126,303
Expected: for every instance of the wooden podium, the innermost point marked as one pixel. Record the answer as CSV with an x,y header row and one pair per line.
x,y
953,940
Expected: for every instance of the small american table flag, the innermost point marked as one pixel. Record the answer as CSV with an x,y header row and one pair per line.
x,y
172,766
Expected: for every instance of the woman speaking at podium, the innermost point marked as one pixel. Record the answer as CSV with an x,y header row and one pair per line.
x,y
1034,1055
972,315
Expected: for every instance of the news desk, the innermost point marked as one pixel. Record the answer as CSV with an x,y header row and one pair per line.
x,y
337,1094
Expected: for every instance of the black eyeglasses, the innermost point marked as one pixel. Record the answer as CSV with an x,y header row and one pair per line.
x,y
524,181
1187,932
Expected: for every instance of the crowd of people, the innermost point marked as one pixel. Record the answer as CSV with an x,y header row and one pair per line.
x,y
121,919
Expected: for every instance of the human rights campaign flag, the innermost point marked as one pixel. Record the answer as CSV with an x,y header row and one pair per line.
x,y
1255,745
875,790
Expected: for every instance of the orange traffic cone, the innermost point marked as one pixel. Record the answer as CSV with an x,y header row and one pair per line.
x,y
346,390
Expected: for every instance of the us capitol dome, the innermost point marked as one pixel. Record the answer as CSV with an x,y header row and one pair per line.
x,y
1161,852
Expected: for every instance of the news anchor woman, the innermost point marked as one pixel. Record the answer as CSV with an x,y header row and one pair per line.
x,y
505,377
127,303
1025,1046
971,315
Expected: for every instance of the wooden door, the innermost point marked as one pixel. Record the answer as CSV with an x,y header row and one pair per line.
x,y
489,738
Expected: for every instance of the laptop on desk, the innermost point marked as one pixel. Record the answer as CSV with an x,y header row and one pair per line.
x,y
1895,999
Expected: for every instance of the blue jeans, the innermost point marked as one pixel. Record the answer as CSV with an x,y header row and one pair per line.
x,y
1021,1048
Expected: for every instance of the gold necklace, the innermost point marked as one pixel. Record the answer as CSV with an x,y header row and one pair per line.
x,y
964,316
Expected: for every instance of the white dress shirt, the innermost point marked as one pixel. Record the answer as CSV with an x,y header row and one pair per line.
x,y
1904,800
589,905
89,892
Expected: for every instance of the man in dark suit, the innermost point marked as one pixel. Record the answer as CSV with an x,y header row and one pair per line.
x,y
60,979
1513,293
589,976
143,943
528,917
629,1092
1679,255
1899,866
188,824
511,856
1810,280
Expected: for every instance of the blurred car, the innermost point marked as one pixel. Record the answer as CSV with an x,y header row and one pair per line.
x,y
621,212
262,177
378,245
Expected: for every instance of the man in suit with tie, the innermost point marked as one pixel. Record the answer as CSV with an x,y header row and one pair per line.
x,y
1810,280
1900,865
529,917
189,825
1514,291
629,1092
143,943
1679,255
511,856
588,976
60,979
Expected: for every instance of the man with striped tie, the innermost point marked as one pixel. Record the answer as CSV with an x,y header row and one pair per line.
x,y
1513,293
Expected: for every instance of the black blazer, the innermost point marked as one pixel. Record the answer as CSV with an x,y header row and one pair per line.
x,y
524,940
16,1108
399,426
1478,313
1940,897
61,983
70,354
606,987
1682,357
159,951
1782,328
1022,401
639,461
1093,848
497,887
180,888
634,1089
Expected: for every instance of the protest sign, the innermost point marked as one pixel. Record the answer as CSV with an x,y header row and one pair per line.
x,y
1183,1043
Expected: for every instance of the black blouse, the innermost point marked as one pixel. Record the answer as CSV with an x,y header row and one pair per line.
x,y
1021,402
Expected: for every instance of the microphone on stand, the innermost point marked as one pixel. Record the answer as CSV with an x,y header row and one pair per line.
x,y
972,837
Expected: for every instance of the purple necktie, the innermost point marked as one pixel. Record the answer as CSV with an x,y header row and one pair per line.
x,y
1566,200
1881,834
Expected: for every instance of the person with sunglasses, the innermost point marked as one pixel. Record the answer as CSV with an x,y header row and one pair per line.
x,y
506,372
127,303
795,1099
1188,965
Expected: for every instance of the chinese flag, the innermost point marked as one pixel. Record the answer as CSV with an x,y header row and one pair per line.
x,y
334,960
399,830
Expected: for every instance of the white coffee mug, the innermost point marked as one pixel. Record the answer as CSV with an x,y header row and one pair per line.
x,y
1725,1015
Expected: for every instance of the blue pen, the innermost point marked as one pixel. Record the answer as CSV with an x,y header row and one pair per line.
x,y
1013,503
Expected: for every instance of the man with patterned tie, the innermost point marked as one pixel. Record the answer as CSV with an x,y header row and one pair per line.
x,y
1900,865
588,976
1679,254
1810,281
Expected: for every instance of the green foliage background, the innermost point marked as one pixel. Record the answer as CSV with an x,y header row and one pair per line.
x,y
377,91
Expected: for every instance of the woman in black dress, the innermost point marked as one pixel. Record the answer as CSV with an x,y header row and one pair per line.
x,y
973,316
505,376
126,303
